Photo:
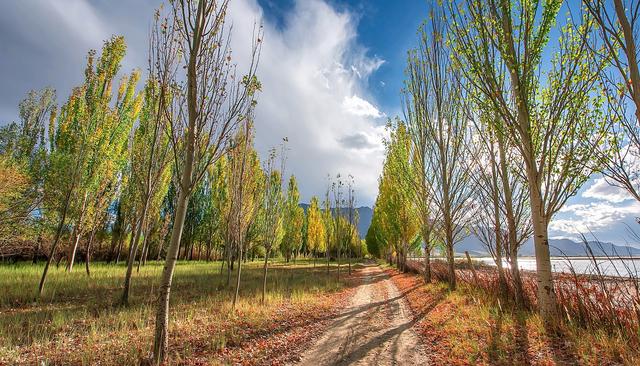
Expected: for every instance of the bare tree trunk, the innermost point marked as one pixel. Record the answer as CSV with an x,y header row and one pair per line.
x,y
120,243
328,257
56,240
451,261
427,256
160,245
77,234
235,295
517,280
511,223
264,275
161,339
144,249
133,249
87,255
349,261
338,263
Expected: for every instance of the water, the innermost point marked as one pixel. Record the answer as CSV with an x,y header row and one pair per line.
x,y
614,267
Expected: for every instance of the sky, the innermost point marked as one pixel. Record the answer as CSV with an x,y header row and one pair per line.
x,y
331,74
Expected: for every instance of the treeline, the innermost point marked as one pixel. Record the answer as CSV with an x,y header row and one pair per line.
x,y
506,115
161,169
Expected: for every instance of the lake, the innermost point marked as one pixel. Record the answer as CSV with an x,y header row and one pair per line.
x,y
614,267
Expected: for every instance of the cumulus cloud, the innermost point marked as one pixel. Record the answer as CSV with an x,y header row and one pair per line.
x,y
314,75
593,216
313,70
602,190
360,107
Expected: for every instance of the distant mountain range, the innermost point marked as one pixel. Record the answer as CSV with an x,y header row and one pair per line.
x,y
365,214
557,247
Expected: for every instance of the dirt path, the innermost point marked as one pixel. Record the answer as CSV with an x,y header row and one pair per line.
x,y
375,329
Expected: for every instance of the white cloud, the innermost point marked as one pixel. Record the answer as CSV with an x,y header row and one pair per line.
x,y
314,81
602,190
593,216
360,107
308,68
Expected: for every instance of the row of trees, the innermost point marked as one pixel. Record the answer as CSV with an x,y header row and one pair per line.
x,y
168,172
501,126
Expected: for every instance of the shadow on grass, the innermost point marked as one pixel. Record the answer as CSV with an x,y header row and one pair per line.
x,y
73,300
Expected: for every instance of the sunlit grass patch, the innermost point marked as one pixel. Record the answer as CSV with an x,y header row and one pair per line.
x,y
79,319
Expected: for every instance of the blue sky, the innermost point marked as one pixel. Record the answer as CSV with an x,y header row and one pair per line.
x,y
331,73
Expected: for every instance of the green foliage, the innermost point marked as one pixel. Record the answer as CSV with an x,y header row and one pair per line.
x,y
293,220
316,233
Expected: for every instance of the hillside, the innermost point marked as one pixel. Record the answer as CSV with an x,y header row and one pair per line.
x,y
558,248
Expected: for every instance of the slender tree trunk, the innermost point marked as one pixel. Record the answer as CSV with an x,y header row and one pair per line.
x,y
328,257
264,275
133,249
630,48
56,240
450,259
235,294
144,248
120,243
427,255
161,340
145,252
338,263
511,223
112,250
349,261
87,255
497,224
160,246
77,234
517,280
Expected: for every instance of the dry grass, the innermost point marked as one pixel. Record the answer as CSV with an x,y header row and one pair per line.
x,y
470,326
78,321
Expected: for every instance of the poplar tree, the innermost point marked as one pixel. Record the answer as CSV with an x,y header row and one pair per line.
x,y
90,139
271,214
293,220
149,167
191,50
547,115
315,229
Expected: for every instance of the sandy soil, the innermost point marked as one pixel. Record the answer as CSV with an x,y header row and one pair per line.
x,y
375,329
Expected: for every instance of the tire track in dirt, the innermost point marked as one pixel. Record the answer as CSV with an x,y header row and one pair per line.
x,y
375,329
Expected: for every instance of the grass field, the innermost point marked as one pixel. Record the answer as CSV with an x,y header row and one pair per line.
x,y
79,320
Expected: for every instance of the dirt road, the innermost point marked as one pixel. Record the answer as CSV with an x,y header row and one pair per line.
x,y
375,329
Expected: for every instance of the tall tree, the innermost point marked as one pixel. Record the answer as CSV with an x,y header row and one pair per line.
x,y
552,111
394,205
438,103
293,220
192,46
89,140
271,214
245,185
149,165
315,229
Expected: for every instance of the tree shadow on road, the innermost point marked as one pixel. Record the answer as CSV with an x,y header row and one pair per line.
x,y
360,352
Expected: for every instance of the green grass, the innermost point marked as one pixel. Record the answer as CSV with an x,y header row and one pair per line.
x,y
77,307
